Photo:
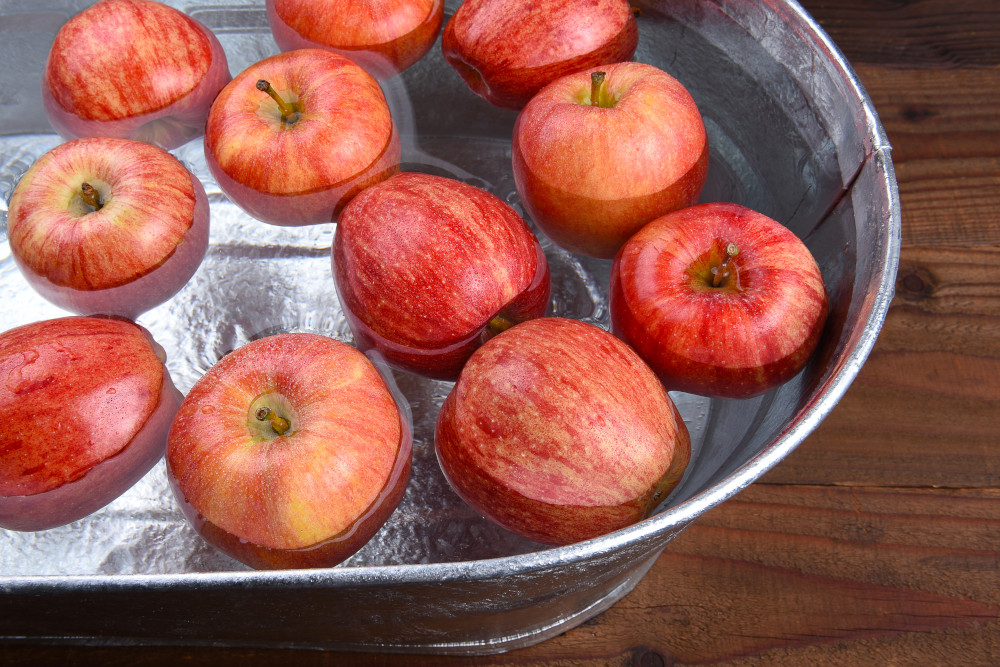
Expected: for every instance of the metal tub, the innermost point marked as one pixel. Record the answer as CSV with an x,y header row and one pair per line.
x,y
793,134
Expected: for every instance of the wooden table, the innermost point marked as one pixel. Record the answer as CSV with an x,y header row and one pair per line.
x,y
878,540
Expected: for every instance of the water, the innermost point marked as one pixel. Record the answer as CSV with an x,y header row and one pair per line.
x,y
258,279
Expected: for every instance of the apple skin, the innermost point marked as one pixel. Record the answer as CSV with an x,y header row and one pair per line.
x,y
87,403
303,172
312,496
729,341
383,37
423,264
559,432
133,69
591,176
508,50
134,253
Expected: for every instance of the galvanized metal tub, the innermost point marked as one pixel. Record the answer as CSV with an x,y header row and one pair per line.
x,y
793,135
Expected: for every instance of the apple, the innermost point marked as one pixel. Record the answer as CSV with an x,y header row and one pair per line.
x,y
507,50
599,153
293,137
719,299
427,268
87,403
559,432
133,69
384,37
290,452
110,226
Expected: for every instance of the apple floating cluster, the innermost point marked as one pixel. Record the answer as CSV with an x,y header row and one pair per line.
x,y
293,450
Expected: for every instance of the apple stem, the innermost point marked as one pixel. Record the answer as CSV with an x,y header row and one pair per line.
x,y
90,196
499,324
722,270
287,111
599,90
279,424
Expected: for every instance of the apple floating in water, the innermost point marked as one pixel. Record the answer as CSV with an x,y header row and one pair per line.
x,y
559,432
295,136
87,403
133,69
110,226
719,299
599,153
384,37
508,50
428,267
290,452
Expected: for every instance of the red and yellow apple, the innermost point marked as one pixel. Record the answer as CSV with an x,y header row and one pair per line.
x,y
383,37
507,50
295,136
719,299
427,268
290,452
108,226
559,432
87,403
599,153
133,69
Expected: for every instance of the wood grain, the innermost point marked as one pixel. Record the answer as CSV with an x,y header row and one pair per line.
x,y
944,129
924,409
912,33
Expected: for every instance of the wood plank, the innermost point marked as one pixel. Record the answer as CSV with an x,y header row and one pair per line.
x,y
944,129
924,409
912,33
934,114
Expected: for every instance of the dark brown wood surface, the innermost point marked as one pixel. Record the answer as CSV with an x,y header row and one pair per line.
x,y
878,540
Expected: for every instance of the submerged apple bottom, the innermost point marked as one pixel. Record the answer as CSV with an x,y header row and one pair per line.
x,y
169,126
300,208
326,553
145,292
598,227
557,431
382,59
445,362
681,371
548,521
103,483
291,451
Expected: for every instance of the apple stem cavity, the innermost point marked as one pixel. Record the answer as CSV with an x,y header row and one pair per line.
x,y
90,196
720,272
599,96
279,424
288,112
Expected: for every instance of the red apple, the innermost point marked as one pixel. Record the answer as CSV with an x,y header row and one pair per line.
x,y
508,50
427,268
133,69
87,403
720,300
136,243
383,37
293,137
290,452
596,157
557,431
